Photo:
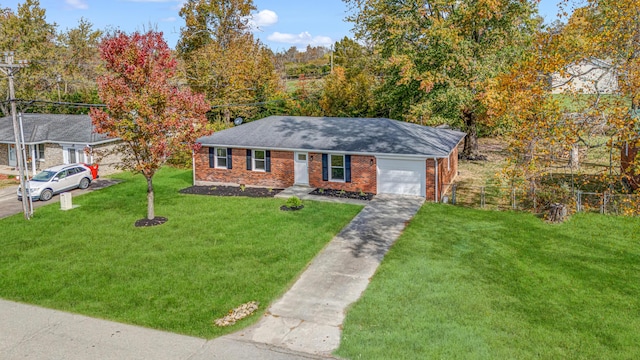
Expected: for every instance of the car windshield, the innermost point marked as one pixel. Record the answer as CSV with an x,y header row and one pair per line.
x,y
44,176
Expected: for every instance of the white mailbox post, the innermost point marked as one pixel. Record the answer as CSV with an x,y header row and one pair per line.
x,y
65,201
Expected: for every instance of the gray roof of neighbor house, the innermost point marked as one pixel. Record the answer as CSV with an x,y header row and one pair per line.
x,y
55,128
378,136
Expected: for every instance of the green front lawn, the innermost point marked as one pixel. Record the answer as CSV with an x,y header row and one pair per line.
x,y
213,254
473,284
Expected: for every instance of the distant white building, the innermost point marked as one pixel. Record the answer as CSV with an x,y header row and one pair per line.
x,y
590,76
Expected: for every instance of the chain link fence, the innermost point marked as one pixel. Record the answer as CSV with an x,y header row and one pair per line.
x,y
513,198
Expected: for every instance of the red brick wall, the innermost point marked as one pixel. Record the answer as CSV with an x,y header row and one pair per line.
x,y
446,175
363,174
448,172
627,158
281,175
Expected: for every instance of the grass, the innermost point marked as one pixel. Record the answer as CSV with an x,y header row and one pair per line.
x,y
472,284
212,255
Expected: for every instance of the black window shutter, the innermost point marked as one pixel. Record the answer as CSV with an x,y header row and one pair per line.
x,y
229,165
325,167
347,168
212,160
248,159
267,161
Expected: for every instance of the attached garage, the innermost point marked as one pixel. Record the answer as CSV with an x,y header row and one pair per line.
x,y
401,176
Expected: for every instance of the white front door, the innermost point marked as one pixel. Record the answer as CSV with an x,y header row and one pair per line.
x,y
301,168
12,155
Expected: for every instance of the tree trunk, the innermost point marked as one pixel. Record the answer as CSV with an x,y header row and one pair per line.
x,y
470,150
150,206
227,116
557,212
574,159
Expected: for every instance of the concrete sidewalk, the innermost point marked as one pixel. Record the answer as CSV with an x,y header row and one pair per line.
x,y
31,332
302,192
304,324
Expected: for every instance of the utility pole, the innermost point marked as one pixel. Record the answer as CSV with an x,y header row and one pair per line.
x,y
9,68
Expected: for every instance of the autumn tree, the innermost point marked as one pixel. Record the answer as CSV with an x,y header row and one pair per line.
x,y
153,118
599,41
222,59
439,55
349,90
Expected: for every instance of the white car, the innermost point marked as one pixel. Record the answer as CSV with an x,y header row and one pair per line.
x,y
57,179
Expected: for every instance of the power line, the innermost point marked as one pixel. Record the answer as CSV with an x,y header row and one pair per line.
x,y
62,103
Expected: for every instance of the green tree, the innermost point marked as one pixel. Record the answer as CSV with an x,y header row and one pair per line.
x,y
79,63
438,55
31,37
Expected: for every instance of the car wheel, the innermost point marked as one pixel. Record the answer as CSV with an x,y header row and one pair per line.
x,y
46,195
84,183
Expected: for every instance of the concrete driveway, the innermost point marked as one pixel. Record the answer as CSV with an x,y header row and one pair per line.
x,y
9,204
309,317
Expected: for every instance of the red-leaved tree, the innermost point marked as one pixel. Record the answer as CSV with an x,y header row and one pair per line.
x,y
152,116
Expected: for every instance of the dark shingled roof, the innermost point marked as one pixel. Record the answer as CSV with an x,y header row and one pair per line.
x,y
349,135
56,128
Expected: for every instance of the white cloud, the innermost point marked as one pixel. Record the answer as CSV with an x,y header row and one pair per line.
x,y
263,18
77,4
304,38
168,19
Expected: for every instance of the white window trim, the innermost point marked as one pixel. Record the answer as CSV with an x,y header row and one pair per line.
x,y
344,168
81,157
253,160
216,158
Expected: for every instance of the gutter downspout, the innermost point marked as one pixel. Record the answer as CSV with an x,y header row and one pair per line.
x,y
435,162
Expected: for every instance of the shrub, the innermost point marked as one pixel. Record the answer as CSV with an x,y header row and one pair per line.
x,y
293,202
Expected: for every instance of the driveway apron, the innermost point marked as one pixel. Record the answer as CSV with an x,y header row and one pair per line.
x,y
309,316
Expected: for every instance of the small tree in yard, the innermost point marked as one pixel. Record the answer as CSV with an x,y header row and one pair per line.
x,y
153,117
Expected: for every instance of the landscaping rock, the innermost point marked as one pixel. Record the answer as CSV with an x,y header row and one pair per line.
x,y
237,314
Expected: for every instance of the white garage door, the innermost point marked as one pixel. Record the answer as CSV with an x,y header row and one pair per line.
x,y
405,177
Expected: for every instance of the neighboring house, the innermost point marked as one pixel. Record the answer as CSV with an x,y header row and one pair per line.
x,y
55,139
590,76
374,155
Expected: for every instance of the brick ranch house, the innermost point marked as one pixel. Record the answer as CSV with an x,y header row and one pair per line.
x,y
375,155
55,139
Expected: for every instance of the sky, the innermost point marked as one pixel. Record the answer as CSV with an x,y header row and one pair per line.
x,y
281,24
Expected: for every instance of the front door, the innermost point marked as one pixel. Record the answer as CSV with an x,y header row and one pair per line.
x,y
301,168
12,155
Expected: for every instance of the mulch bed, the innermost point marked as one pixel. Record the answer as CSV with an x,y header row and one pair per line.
x,y
231,191
295,208
343,194
158,220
